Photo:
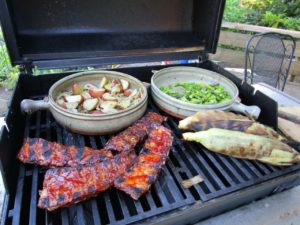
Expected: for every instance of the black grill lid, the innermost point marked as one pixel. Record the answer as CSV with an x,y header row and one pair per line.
x,y
66,33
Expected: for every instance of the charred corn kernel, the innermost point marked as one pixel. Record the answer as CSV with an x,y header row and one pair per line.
x,y
248,146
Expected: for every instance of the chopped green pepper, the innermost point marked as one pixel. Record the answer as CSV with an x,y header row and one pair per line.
x,y
198,93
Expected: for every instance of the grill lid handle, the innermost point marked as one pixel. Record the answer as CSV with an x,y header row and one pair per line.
x,y
30,106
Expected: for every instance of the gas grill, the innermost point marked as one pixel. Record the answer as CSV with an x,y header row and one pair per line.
x,y
166,30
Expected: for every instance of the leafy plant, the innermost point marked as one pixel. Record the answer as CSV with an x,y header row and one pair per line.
x,y
272,13
280,21
272,20
291,23
8,74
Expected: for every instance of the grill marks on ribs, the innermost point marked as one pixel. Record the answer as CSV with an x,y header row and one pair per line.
x,y
66,186
138,179
129,138
51,154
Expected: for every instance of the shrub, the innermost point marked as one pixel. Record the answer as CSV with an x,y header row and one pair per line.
x,y
8,74
280,21
272,13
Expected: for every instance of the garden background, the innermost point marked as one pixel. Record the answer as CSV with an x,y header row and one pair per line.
x,y
283,14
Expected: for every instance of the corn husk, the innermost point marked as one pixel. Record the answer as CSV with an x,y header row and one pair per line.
x,y
246,146
205,120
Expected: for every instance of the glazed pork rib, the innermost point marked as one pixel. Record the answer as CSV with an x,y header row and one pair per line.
x,y
51,154
129,138
138,179
68,185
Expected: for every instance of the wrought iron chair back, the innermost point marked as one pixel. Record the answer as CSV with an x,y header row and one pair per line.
x,y
268,58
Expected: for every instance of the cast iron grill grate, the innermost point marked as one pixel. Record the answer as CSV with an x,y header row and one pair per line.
x,y
222,175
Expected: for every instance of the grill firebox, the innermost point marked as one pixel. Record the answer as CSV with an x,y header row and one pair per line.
x,y
222,175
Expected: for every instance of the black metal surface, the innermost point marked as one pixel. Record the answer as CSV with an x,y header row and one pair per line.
x,y
45,32
223,176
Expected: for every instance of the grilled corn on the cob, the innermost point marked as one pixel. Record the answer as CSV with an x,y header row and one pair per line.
x,y
227,120
248,146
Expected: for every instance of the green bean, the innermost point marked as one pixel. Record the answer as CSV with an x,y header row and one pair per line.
x,y
198,93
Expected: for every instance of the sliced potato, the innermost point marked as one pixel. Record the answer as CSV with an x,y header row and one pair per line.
x,y
77,89
135,94
63,95
127,92
86,95
108,87
108,97
115,82
72,105
123,104
116,89
125,84
90,104
61,103
97,93
104,81
74,98
108,106
89,86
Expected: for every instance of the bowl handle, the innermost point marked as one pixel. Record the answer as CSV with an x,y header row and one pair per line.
x,y
30,106
250,111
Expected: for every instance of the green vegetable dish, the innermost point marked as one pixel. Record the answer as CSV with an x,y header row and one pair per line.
x,y
197,93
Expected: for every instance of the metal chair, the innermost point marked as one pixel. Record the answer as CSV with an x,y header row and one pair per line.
x,y
268,58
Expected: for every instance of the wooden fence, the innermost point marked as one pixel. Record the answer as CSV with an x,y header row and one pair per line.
x,y
236,58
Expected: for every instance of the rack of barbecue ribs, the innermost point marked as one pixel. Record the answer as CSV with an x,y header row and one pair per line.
x,y
51,154
138,179
129,138
82,172
68,185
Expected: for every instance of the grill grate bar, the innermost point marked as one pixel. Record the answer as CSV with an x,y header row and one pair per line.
x,y
80,214
261,167
238,178
173,185
95,212
189,162
33,200
221,171
77,140
160,192
64,217
240,167
64,211
252,167
138,205
48,135
214,183
124,207
171,167
109,208
150,200
20,185
19,194
190,175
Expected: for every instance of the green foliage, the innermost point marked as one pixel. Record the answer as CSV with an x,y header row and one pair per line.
x,y
290,8
235,13
272,13
272,20
8,74
280,21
